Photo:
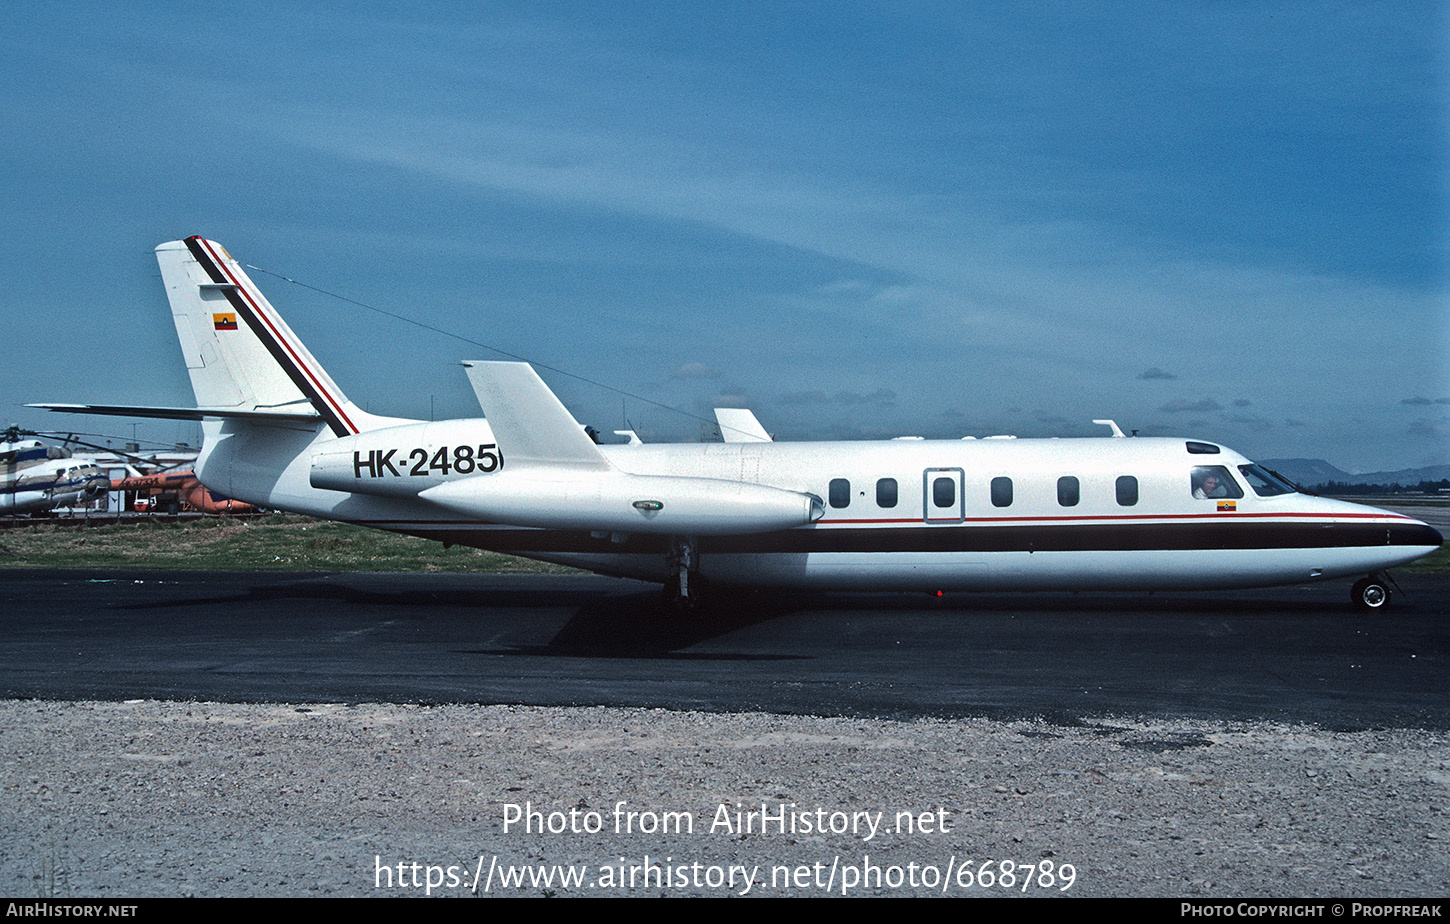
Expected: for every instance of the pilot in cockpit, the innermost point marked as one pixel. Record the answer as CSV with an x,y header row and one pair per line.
x,y
1209,486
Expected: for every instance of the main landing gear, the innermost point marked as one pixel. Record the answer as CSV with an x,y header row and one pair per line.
x,y
682,590
1371,594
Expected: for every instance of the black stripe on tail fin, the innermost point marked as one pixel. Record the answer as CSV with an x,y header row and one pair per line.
x,y
332,407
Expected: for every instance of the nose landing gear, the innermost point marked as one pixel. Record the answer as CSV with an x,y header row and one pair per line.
x,y
1371,594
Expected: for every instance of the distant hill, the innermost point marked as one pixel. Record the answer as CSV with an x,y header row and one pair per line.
x,y
1311,472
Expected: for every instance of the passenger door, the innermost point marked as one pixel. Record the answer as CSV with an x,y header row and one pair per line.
x,y
942,497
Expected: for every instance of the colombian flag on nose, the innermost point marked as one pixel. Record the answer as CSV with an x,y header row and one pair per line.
x,y
226,321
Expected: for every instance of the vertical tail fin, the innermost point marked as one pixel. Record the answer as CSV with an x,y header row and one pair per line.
x,y
239,352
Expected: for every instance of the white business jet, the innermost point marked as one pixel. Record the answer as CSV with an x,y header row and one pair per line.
x,y
1113,513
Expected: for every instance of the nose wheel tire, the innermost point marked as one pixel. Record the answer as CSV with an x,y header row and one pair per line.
x,y
1370,594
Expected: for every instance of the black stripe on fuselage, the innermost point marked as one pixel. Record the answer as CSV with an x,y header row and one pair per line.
x,y
1087,537
279,352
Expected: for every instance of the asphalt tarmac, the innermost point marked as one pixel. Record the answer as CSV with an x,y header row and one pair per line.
x,y
1297,654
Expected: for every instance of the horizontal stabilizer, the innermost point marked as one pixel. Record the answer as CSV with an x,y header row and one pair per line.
x,y
529,422
182,413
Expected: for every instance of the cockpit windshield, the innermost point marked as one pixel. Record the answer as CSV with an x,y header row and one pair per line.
x,y
1264,482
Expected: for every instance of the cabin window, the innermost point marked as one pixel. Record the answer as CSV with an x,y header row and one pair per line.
x,y
1001,492
1202,449
840,492
944,492
1127,487
1069,492
1211,481
1265,482
886,492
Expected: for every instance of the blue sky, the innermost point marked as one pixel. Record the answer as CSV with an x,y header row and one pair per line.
x,y
1222,220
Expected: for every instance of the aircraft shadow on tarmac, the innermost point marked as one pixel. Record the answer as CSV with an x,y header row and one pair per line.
x,y
612,625
454,598
642,626
732,609
599,621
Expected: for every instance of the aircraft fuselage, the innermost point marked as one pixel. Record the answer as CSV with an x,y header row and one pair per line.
x,y
991,514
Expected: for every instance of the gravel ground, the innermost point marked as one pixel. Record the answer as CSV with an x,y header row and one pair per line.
x,y
140,799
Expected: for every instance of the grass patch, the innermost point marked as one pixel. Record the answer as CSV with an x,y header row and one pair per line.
x,y
273,543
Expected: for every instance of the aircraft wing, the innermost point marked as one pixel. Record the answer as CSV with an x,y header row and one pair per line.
x,y
529,422
738,425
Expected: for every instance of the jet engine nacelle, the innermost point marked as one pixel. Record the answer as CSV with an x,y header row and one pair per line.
x,y
620,502
456,465
402,461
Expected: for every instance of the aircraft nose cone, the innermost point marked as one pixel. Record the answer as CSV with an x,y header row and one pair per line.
x,y
1419,533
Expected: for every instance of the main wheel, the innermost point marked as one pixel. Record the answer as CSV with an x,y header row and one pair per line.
x,y
1369,594
676,602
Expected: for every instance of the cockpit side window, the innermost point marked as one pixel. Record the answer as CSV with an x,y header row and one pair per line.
x,y
1264,482
1210,481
